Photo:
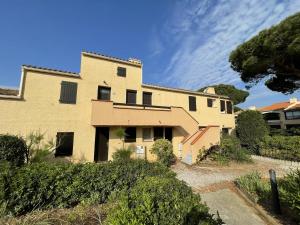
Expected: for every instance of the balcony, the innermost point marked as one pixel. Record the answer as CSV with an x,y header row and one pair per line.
x,y
107,113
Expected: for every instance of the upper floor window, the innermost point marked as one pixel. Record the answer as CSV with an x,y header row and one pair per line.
x,y
192,103
121,71
103,93
228,107
292,115
64,143
130,134
222,106
68,92
271,116
147,98
130,97
211,102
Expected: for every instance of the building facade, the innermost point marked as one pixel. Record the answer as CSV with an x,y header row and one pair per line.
x,y
282,115
83,111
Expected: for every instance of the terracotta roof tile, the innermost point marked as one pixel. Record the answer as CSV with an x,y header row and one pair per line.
x,y
276,106
53,70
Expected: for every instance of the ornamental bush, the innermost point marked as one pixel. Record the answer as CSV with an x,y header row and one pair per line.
x,y
164,150
13,149
122,154
165,201
281,147
290,192
43,186
251,129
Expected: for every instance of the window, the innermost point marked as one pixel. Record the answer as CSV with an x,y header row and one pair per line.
x,y
168,133
131,97
210,102
130,134
292,115
229,107
147,98
147,136
121,71
64,143
103,93
271,116
225,131
192,103
158,133
68,92
222,105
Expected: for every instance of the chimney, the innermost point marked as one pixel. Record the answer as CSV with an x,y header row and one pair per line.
x,y
252,108
209,90
136,61
293,100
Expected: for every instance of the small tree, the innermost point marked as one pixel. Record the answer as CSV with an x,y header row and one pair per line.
x,y
120,132
251,129
12,149
164,150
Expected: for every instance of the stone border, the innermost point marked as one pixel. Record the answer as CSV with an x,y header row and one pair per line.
x,y
285,162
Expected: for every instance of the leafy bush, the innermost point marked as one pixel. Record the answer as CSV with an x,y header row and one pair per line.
x,y
122,154
13,149
281,147
230,150
164,151
290,192
251,129
44,186
254,185
160,201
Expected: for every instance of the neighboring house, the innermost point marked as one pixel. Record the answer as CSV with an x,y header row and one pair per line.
x,y
84,110
283,115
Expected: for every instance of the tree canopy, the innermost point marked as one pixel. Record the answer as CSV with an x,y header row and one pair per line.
x,y
236,95
273,54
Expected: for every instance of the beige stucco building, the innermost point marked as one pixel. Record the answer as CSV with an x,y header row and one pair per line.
x,y
84,110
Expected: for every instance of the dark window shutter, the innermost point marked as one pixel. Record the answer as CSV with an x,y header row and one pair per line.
x,y
103,93
209,102
131,97
68,92
130,134
158,133
229,107
192,103
64,143
121,71
168,133
147,98
222,105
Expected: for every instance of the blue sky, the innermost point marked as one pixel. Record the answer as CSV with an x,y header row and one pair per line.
x,y
182,43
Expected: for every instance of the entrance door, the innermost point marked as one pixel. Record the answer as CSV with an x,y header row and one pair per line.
x,y
101,144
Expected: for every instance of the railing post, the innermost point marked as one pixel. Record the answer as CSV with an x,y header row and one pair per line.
x,y
275,194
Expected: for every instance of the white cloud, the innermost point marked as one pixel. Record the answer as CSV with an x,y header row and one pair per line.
x,y
203,33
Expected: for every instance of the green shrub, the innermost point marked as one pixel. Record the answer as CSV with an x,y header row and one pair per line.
x,y
254,185
251,128
13,149
281,147
290,192
160,201
230,150
122,154
44,186
164,151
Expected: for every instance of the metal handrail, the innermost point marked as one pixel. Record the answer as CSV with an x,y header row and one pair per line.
x,y
142,106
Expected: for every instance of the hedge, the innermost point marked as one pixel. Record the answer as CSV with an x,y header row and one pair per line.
x,y
281,147
45,186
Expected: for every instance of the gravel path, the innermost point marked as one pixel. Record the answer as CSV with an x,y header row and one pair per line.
x,y
206,174
218,192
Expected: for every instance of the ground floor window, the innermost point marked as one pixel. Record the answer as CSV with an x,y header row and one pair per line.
x,y
147,134
64,143
163,132
130,134
225,131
